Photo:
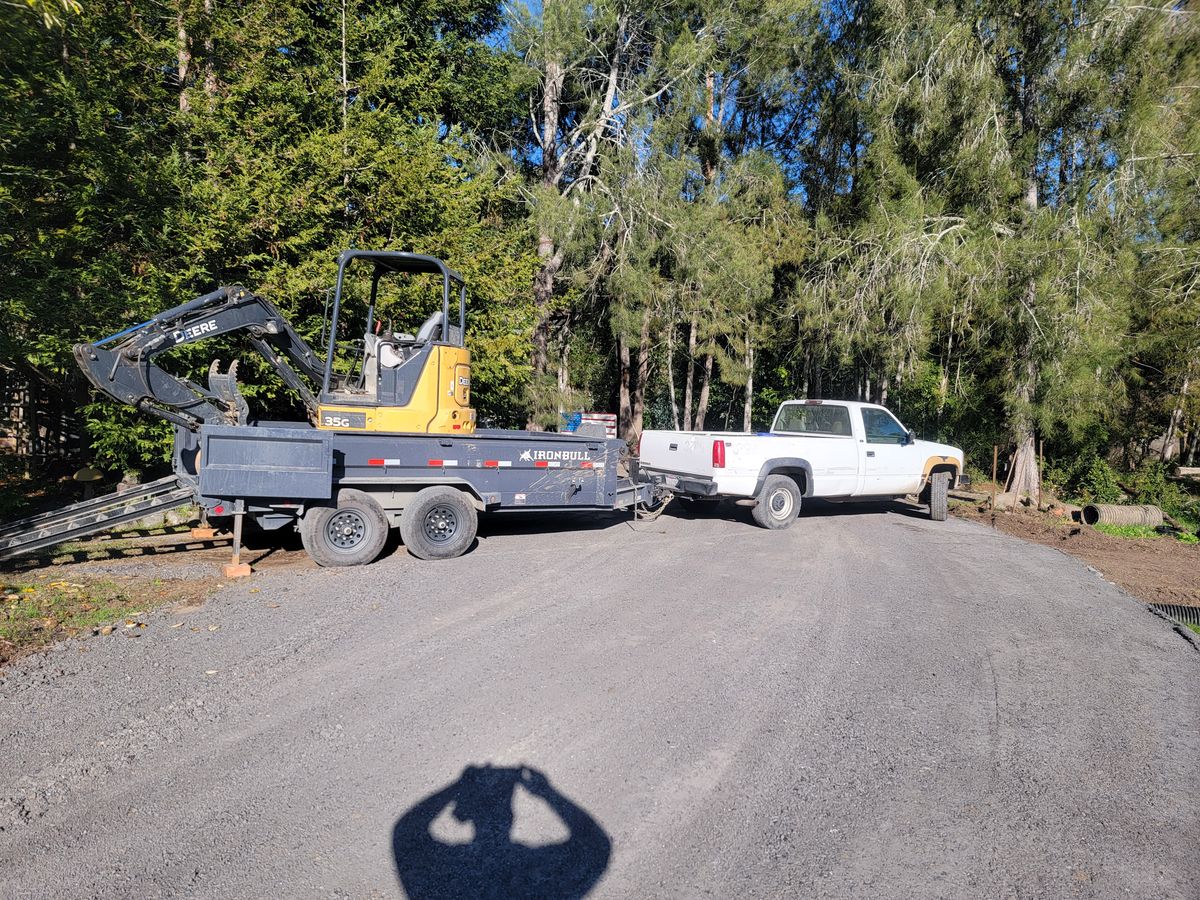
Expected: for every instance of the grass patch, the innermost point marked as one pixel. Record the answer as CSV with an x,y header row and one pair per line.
x,y
34,614
1128,531
1195,628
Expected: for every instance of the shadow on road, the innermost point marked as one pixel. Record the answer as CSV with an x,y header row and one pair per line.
x,y
539,522
816,507
812,507
461,843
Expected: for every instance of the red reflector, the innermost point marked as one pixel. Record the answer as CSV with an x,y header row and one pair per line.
x,y
218,510
542,464
492,463
374,462
456,427
718,454
435,462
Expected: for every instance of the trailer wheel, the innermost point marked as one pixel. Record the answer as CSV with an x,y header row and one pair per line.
x,y
350,534
778,502
939,503
439,523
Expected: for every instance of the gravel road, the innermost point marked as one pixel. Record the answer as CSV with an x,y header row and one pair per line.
x,y
868,704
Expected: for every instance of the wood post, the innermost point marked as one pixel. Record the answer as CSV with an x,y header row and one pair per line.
x,y
995,463
237,568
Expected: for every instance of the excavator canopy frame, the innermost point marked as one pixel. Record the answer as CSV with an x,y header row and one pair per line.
x,y
388,262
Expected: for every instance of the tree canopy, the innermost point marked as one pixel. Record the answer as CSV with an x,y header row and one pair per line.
x,y
983,213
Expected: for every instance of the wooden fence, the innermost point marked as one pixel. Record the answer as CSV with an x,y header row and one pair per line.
x,y
39,421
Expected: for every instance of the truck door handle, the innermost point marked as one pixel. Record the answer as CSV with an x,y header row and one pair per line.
x,y
870,453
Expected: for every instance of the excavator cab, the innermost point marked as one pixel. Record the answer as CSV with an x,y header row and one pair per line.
x,y
418,382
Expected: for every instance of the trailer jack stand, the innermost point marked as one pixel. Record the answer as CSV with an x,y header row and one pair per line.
x,y
236,568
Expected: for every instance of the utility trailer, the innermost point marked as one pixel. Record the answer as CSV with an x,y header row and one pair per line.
x,y
345,490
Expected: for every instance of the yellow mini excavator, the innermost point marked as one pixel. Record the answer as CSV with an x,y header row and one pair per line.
x,y
385,382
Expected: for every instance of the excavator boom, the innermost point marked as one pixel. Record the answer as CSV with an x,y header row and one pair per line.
x,y
122,366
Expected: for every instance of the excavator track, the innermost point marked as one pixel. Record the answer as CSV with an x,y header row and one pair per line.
x,y
91,516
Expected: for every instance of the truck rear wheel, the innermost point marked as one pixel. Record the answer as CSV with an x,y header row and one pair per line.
x,y
439,523
778,502
350,534
939,503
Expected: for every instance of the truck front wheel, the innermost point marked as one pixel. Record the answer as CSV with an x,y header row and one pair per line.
x,y
939,502
350,534
439,523
778,502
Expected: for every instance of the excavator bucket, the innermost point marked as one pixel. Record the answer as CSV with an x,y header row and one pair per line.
x,y
225,388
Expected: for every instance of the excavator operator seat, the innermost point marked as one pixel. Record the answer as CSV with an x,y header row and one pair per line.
x,y
431,328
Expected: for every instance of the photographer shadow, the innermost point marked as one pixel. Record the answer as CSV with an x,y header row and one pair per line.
x,y
459,842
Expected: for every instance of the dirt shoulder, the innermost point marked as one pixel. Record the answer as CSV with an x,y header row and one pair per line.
x,y
1157,570
106,586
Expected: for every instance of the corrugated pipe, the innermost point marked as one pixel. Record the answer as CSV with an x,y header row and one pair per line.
x,y
1112,514
1189,614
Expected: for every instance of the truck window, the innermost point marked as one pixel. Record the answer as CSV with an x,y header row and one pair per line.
x,y
882,428
797,418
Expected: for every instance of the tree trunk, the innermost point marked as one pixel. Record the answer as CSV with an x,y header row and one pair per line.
x,y
638,398
1024,478
708,150
691,372
550,257
183,50
564,370
670,373
210,72
702,403
624,404
1175,420
748,407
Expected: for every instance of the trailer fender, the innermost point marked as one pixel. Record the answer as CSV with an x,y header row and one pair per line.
x,y
787,465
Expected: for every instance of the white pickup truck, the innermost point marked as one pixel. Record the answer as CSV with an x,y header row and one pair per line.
x,y
815,448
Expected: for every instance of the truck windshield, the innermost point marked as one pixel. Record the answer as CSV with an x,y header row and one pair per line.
x,y
798,418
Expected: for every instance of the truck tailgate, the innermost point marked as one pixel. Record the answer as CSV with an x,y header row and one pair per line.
x,y
678,452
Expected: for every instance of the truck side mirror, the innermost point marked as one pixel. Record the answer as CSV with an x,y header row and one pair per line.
x,y
911,438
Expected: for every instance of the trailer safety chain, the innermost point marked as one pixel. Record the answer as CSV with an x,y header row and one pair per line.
x,y
645,514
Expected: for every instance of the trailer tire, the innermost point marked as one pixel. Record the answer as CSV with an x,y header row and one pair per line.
x,y
439,523
939,502
352,533
778,502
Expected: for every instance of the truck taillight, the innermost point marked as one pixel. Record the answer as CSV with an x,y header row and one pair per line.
x,y
718,454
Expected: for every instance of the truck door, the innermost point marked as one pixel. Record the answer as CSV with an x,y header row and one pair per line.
x,y
891,465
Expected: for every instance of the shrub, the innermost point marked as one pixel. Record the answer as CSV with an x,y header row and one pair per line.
x,y
1150,485
1098,483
